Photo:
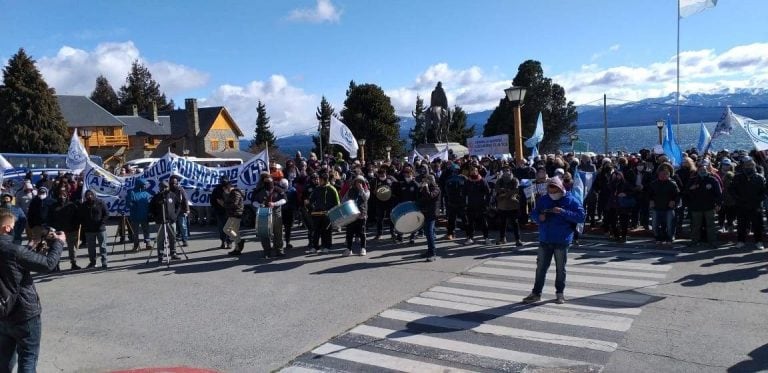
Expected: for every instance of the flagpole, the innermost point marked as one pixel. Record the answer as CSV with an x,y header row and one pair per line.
x,y
677,99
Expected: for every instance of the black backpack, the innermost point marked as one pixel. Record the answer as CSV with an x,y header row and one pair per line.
x,y
9,293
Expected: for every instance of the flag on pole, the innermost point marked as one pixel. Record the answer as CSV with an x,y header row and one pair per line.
x,y
691,7
704,139
538,134
414,156
341,135
671,149
442,155
725,124
534,154
757,131
77,156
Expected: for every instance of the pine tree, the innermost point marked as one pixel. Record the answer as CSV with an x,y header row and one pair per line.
x,y
30,117
457,129
104,95
369,114
558,114
417,133
141,90
262,134
323,115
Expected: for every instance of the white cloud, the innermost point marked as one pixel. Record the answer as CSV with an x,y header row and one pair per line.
x,y
74,71
701,71
323,12
291,110
612,48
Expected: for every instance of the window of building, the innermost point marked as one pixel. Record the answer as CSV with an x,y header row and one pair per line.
x,y
148,140
214,144
109,131
231,143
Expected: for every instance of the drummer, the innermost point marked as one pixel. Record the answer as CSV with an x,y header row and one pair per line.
x,y
405,191
271,197
323,198
382,201
359,192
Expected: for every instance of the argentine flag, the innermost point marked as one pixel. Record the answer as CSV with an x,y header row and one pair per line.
x,y
704,139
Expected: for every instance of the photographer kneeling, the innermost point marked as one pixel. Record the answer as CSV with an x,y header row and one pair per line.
x,y
20,328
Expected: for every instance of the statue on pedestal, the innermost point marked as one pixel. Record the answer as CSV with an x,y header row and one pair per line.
x,y
438,115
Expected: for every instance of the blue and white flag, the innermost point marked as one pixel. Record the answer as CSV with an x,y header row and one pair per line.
x,y
725,124
704,139
671,149
341,135
4,165
534,154
442,155
77,156
538,134
414,156
757,131
691,7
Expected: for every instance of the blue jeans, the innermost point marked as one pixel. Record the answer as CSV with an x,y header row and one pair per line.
x,y
664,225
429,231
182,226
23,340
144,226
91,239
546,252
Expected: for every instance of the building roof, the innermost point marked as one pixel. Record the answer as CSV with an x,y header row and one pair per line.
x,y
140,126
232,154
206,115
80,111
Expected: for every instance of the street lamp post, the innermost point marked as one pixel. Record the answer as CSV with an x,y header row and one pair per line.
x,y
361,142
388,148
515,95
86,134
320,131
660,126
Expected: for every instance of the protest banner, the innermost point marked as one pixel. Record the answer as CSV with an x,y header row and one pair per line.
x,y
488,145
197,180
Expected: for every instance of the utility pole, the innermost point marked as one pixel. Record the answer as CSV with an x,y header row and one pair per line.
x,y
605,123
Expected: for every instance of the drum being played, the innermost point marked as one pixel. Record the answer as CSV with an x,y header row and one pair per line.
x,y
384,193
343,214
407,218
263,222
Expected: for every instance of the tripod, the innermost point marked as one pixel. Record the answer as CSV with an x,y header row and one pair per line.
x,y
126,227
168,234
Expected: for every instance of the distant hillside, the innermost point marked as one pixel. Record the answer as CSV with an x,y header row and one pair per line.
x,y
694,108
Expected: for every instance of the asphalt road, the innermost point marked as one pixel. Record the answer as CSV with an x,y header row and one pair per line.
x,y
677,311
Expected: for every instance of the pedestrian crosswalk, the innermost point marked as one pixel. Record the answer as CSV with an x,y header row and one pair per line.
x,y
474,322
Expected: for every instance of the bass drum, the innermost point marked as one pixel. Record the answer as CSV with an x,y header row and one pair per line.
x,y
343,214
407,218
384,193
263,222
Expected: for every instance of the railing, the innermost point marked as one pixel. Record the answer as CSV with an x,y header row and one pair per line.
x,y
100,140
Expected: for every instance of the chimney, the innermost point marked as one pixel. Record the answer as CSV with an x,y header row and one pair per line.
x,y
154,113
135,110
193,126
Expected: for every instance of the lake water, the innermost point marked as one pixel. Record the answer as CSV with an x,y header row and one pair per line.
x,y
633,139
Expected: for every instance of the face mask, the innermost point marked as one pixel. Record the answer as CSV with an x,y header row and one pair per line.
x,y
556,196
382,177
663,177
702,172
749,171
408,179
640,168
43,196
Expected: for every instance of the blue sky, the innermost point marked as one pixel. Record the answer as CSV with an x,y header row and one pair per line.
x,y
290,53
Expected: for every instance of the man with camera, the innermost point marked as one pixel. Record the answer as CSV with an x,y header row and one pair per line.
x,y
165,207
20,329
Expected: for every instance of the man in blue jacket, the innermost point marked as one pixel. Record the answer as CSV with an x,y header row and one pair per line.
x,y
137,201
556,213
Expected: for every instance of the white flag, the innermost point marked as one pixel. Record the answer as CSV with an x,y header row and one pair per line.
x,y
341,135
415,155
4,165
691,7
443,155
757,131
77,156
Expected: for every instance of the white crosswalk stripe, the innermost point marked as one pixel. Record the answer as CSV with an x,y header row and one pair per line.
x,y
476,321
